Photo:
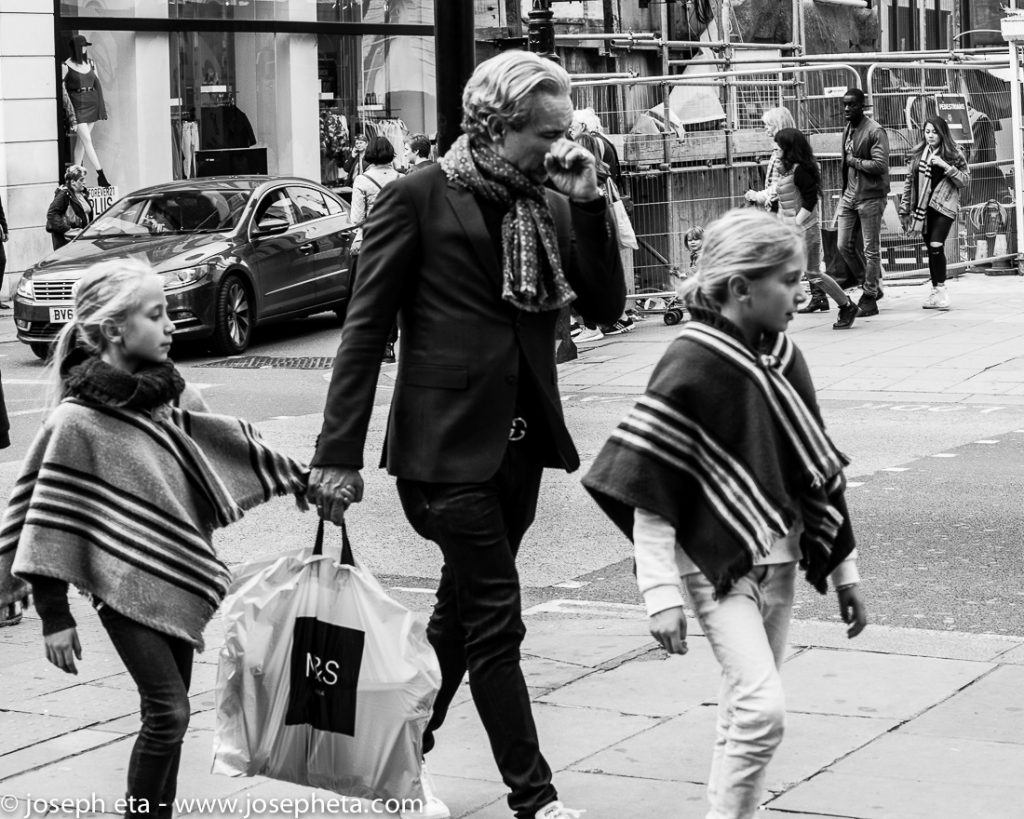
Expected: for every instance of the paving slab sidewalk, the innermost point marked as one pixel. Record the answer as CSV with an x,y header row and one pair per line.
x,y
899,723
876,728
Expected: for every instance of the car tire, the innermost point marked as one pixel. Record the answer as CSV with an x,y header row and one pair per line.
x,y
41,349
234,317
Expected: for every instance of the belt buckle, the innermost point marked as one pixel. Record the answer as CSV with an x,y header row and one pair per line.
x,y
518,429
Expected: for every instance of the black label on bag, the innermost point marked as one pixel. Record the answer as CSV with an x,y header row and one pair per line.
x,y
324,673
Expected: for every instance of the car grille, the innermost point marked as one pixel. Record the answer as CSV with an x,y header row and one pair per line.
x,y
53,290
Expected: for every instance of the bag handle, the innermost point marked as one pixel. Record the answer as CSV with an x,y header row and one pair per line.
x,y
346,547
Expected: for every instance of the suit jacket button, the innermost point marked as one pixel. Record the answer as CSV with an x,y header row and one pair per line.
x,y
511,379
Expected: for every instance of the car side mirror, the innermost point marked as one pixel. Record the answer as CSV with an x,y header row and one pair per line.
x,y
271,226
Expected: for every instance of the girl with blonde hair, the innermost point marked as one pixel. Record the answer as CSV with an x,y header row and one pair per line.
x,y
119,494
774,119
730,505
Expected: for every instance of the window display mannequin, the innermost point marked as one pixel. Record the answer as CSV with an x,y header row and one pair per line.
x,y
83,102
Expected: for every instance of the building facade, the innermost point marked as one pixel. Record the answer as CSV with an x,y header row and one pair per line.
x,y
201,87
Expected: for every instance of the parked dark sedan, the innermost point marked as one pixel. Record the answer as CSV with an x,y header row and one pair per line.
x,y
233,252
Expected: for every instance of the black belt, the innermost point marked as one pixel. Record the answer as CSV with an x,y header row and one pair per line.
x,y
518,429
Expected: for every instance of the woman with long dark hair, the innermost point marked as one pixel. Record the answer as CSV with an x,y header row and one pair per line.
x,y
936,174
799,189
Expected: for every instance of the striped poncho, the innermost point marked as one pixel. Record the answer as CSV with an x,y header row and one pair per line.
x,y
728,446
123,503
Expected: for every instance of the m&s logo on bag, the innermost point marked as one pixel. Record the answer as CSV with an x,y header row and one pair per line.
x,y
325,666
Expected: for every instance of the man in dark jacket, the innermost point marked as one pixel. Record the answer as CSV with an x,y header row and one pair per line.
x,y
3,255
476,257
865,192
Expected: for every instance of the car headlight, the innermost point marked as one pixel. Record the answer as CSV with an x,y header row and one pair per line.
x,y
174,279
25,289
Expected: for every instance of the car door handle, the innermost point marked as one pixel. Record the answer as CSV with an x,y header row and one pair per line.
x,y
309,247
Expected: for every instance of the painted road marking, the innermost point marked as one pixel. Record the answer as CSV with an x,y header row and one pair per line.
x,y
896,469
986,442
413,589
568,606
944,455
571,584
854,484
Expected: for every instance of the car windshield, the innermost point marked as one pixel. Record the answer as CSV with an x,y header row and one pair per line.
x,y
178,211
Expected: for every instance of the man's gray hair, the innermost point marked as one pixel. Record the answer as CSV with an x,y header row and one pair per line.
x,y
504,86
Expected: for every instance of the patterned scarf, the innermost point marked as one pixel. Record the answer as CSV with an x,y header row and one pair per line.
x,y
923,190
528,283
730,483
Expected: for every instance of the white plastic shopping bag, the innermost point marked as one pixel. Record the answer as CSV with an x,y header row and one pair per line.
x,y
323,679
627,236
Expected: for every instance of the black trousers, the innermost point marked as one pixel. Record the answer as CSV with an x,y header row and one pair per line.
x,y
161,667
477,622
3,264
936,229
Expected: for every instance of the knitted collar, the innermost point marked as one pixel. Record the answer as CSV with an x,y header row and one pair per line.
x,y
527,230
91,379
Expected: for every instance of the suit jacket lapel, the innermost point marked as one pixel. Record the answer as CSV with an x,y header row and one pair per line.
x,y
467,211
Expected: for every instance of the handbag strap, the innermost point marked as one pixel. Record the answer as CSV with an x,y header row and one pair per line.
x,y
346,547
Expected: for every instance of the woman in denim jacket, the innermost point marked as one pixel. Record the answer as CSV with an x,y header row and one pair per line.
x,y
936,174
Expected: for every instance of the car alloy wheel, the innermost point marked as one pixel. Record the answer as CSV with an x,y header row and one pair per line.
x,y
234,317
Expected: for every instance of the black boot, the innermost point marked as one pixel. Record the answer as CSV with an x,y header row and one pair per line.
x,y
847,313
101,178
818,302
867,306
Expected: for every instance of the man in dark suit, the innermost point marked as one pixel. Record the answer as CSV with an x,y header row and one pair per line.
x,y
3,256
476,257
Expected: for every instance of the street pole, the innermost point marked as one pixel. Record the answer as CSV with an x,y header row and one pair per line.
x,y
541,30
454,61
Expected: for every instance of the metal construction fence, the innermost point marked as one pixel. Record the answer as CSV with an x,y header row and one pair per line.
x,y
691,145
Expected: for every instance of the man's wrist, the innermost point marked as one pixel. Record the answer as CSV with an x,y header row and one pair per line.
x,y
587,197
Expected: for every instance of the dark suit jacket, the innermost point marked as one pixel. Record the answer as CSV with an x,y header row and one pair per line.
x,y
428,254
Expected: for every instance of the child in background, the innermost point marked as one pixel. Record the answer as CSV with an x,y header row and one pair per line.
x,y
119,494
730,505
693,241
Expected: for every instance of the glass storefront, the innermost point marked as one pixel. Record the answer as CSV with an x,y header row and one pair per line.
x,y
369,12
184,103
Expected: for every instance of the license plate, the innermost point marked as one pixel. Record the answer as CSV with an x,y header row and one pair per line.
x,y
62,315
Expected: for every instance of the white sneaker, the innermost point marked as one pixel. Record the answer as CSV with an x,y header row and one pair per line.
x,y
589,335
938,299
433,808
556,810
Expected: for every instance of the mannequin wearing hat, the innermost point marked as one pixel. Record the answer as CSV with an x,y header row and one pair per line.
x,y
83,102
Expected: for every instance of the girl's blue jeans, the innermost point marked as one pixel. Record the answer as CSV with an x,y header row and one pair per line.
x,y
161,667
747,630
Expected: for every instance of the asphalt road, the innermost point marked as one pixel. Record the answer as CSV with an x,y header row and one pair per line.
x,y
935,492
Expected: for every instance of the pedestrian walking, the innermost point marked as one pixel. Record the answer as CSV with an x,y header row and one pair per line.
x,y
774,119
10,614
477,257
356,163
937,173
3,252
367,186
799,189
730,504
865,192
119,494
71,208
417,147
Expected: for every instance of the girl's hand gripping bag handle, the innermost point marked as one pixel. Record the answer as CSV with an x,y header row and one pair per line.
x,y
324,680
